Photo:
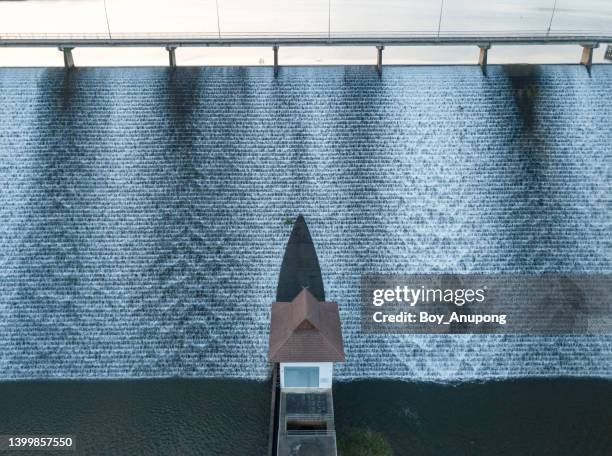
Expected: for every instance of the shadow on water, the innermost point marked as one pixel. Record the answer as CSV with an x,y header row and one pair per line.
x,y
222,207
54,281
168,310
202,171
360,115
300,268
292,138
536,202
525,80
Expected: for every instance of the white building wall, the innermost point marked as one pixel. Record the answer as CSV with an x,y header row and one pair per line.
x,y
325,373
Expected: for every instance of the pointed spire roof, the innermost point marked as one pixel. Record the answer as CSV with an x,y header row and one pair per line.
x,y
305,330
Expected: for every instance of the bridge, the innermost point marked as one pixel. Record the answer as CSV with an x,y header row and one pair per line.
x,y
171,41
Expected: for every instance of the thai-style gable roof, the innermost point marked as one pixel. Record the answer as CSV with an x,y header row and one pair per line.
x,y
305,330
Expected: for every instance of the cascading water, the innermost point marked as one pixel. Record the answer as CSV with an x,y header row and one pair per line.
x,y
142,210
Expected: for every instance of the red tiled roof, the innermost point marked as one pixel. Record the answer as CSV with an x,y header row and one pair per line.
x,y
305,330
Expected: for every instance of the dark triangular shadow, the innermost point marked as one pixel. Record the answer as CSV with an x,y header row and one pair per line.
x,y
300,268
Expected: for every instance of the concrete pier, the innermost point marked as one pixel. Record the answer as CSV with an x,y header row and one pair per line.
x,y
482,58
171,56
68,59
275,49
587,55
379,58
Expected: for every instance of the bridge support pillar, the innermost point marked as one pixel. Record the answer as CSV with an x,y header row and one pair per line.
x,y
483,57
379,62
587,55
171,56
275,49
68,59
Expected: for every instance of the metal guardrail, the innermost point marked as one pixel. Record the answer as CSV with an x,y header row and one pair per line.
x,y
65,42
352,33
353,38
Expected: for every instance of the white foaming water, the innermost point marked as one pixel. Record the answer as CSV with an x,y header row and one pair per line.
x,y
142,210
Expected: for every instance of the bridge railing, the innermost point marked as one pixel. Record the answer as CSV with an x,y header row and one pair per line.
x,y
588,39
349,35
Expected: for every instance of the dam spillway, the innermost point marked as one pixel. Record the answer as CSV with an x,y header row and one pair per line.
x,y
142,211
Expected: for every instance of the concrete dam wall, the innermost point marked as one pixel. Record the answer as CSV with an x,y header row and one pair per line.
x,y
142,211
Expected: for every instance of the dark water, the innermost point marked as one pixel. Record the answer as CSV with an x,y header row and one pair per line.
x,y
512,417
220,417
160,417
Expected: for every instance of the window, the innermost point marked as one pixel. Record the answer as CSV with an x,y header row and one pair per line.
x,y
301,377
293,425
